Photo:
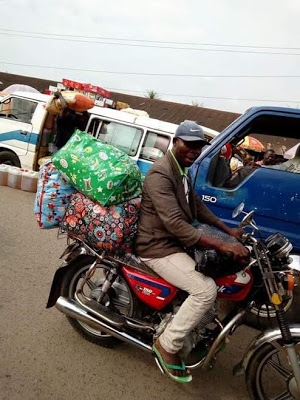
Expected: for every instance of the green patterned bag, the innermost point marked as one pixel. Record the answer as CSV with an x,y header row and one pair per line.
x,y
98,170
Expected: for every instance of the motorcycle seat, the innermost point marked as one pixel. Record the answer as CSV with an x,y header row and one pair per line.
x,y
135,262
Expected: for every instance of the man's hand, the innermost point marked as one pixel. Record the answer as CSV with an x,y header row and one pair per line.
x,y
240,252
236,233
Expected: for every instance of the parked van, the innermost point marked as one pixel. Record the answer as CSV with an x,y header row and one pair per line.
x,y
142,138
26,128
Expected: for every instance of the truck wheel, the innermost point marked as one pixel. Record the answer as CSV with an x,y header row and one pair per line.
x,y
9,158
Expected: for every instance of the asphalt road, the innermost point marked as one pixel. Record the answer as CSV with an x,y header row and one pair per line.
x,y
43,358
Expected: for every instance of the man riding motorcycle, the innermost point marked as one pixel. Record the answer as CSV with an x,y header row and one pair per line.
x,y
169,208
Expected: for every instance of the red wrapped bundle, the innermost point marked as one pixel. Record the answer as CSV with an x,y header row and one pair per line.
x,y
74,100
108,228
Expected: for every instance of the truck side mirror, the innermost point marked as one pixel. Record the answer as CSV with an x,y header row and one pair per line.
x,y
238,210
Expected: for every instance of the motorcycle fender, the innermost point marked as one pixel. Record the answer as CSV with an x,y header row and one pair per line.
x,y
69,249
266,337
73,251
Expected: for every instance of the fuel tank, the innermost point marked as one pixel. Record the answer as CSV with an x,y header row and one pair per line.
x,y
155,292
234,287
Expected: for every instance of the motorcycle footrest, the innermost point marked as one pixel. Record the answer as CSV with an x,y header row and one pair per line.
x,y
158,364
238,369
106,314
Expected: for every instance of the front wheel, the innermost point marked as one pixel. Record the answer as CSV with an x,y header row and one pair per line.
x,y
269,375
9,158
119,297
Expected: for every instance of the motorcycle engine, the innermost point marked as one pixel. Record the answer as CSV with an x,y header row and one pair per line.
x,y
196,335
199,333
278,246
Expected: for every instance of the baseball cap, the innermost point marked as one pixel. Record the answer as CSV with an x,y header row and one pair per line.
x,y
190,131
226,151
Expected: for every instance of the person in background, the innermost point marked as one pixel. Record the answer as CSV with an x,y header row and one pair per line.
x,y
66,123
292,165
240,158
268,159
226,151
169,208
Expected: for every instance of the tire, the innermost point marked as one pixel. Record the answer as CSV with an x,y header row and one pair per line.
x,y
9,158
69,285
263,380
265,321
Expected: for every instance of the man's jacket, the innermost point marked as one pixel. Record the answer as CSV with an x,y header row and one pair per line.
x,y
166,216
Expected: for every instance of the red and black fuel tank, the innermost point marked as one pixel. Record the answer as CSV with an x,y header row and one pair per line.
x,y
155,292
234,287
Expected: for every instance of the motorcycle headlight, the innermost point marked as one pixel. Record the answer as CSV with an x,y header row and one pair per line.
x,y
278,245
294,262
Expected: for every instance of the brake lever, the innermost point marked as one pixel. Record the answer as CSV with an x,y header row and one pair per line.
x,y
245,236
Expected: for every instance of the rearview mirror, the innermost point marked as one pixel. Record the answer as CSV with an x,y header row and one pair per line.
x,y
238,210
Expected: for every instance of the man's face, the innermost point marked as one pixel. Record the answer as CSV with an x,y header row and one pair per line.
x,y
187,152
269,158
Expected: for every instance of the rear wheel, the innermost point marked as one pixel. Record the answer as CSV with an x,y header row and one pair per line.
x,y
269,375
119,297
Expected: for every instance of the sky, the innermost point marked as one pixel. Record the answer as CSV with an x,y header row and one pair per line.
x,y
227,55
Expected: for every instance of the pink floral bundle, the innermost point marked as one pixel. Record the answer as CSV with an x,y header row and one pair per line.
x,y
108,228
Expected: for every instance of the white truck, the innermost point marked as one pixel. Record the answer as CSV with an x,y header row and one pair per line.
x,y
26,126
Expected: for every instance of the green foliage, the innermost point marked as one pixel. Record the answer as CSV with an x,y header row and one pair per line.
x,y
152,94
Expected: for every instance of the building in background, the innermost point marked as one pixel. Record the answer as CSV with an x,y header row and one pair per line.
x,y
159,109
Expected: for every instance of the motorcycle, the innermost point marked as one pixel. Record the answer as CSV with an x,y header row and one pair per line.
x,y
109,298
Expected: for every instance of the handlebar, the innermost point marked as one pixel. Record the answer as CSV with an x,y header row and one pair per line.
x,y
228,256
245,237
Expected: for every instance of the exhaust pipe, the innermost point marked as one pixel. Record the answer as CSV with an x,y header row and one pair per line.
x,y
76,311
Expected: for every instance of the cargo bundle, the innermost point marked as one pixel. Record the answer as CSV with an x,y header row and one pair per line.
x,y
92,191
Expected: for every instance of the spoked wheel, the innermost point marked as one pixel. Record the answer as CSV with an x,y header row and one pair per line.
x,y
269,375
118,298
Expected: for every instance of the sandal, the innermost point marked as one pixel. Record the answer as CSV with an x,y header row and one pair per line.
x,y
164,367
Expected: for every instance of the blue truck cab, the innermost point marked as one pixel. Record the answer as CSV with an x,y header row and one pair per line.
x,y
273,193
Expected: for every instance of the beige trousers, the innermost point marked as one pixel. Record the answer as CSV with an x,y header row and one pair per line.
x,y
179,270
